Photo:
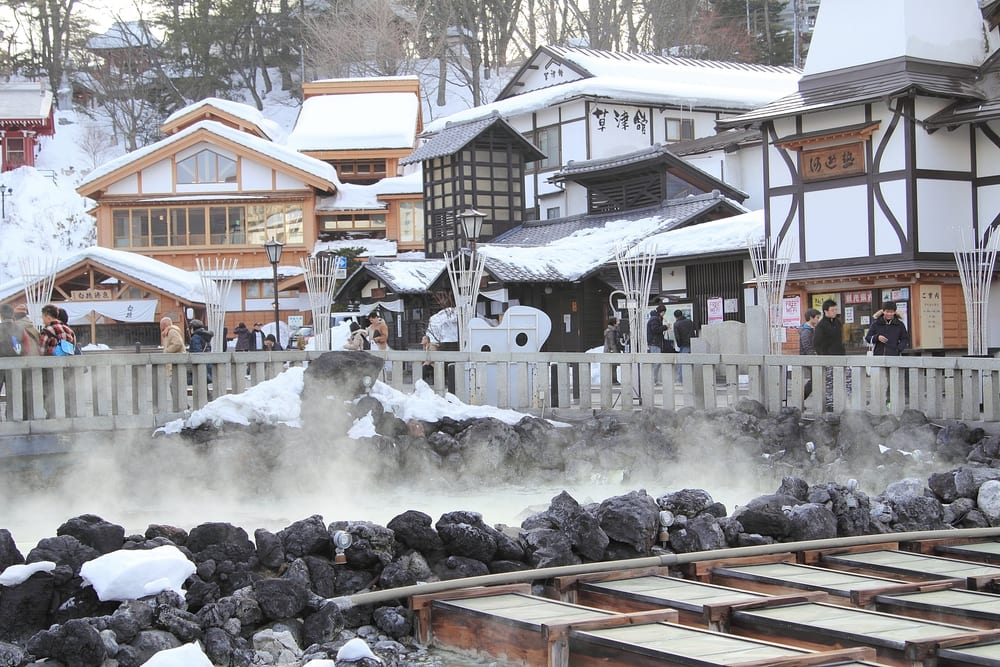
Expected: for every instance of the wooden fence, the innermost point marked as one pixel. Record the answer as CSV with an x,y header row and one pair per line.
x,y
120,390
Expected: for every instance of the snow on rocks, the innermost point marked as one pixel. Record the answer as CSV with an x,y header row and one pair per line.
x,y
129,575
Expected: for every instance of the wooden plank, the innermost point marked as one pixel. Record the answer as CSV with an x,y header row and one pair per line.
x,y
905,564
979,654
951,605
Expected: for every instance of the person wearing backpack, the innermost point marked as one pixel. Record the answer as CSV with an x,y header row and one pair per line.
x,y
57,340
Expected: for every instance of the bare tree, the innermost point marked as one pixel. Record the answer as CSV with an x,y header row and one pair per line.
x,y
96,143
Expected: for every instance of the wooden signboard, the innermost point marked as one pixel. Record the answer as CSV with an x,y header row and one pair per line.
x,y
931,318
91,295
819,164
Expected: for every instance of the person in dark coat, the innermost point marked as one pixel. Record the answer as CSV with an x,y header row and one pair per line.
x,y
654,336
243,338
806,346
201,338
683,333
828,339
256,338
887,334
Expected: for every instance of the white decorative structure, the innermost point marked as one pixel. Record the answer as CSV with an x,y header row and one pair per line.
x,y
975,266
465,272
523,329
321,281
216,281
770,269
39,276
636,268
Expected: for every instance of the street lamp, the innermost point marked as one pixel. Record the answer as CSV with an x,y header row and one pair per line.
x,y
5,191
273,250
465,272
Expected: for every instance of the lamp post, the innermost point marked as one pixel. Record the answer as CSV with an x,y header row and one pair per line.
x,y
5,191
273,250
465,271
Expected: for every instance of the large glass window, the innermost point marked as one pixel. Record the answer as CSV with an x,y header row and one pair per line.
x,y
200,225
679,129
206,167
15,151
547,140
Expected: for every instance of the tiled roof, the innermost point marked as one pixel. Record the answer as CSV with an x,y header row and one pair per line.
x,y
862,84
590,60
723,140
407,276
456,136
963,114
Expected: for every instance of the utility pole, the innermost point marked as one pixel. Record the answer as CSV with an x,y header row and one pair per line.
x,y
796,33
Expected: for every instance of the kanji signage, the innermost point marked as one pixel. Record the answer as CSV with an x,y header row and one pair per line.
x,y
819,164
931,317
91,295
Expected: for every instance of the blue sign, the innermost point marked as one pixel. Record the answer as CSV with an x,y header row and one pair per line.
x,y
339,267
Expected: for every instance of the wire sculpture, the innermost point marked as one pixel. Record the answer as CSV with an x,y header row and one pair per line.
x,y
770,269
39,276
321,281
216,281
976,260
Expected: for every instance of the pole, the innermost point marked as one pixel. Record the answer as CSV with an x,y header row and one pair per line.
x,y
277,318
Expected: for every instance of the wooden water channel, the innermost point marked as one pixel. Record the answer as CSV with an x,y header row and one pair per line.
x,y
121,390
829,606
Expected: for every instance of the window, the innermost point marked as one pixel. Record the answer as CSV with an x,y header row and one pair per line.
x,y
679,129
206,167
15,151
200,225
547,140
411,222
552,212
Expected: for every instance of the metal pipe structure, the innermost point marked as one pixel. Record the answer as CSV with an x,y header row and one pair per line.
x,y
636,268
770,270
665,560
216,283
39,276
321,281
975,266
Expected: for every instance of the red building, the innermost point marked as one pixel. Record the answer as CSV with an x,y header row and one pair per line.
x,y
25,114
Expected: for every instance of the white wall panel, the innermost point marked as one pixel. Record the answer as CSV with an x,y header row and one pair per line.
x,y
779,211
887,241
574,141
126,186
943,150
894,156
255,176
987,153
836,224
944,210
989,205
576,199
547,116
549,73
814,122
993,318
620,129
158,177
288,182
779,173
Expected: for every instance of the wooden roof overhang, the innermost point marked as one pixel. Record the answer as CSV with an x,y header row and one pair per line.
x,y
96,188
860,131
357,153
209,112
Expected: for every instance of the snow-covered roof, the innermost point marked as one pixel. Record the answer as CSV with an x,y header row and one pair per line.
x,y
718,236
244,112
186,285
124,34
354,197
373,247
950,32
310,165
570,250
355,121
259,273
454,136
25,99
405,277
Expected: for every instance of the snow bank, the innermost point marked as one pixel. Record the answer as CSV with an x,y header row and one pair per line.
x,y
130,575
17,574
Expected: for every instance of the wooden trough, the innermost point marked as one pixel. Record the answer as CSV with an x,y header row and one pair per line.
x,y
514,626
785,578
672,645
698,604
986,654
907,565
947,604
980,552
898,640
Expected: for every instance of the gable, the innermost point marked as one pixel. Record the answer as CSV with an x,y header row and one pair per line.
x,y
544,69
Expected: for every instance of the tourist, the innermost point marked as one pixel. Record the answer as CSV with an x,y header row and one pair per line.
x,y
171,338
806,332
887,334
256,337
654,336
56,337
358,338
828,340
201,338
21,316
683,333
611,344
271,343
378,332
243,337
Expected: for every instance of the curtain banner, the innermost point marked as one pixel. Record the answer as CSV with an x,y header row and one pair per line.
x,y
137,310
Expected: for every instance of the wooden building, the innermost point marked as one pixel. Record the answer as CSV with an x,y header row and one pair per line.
x,y
26,114
886,161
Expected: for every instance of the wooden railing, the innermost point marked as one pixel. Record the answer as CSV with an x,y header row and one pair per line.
x,y
119,390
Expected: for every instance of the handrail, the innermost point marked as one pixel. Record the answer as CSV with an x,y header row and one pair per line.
x,y
138,390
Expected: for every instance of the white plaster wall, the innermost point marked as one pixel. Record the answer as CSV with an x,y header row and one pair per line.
x,y
886,239
894,155
255,176
622,135
288,182
780,206
574,141
779,173
573,110
987,153
547,116
745,168
944,210
823,120
993,318
836,224
529,191
576,199
158,177
126,186
549,73
551,200
942,150
989,204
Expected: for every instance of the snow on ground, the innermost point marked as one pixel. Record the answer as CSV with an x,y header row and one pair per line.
x,y
130,574
188,655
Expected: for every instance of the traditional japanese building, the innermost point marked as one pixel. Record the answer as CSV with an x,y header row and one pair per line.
x,y
579,104
885,161
26,114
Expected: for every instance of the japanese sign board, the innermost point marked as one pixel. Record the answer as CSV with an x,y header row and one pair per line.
x,y
715,310
931,318
91,295
791,311
340,267
819,164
